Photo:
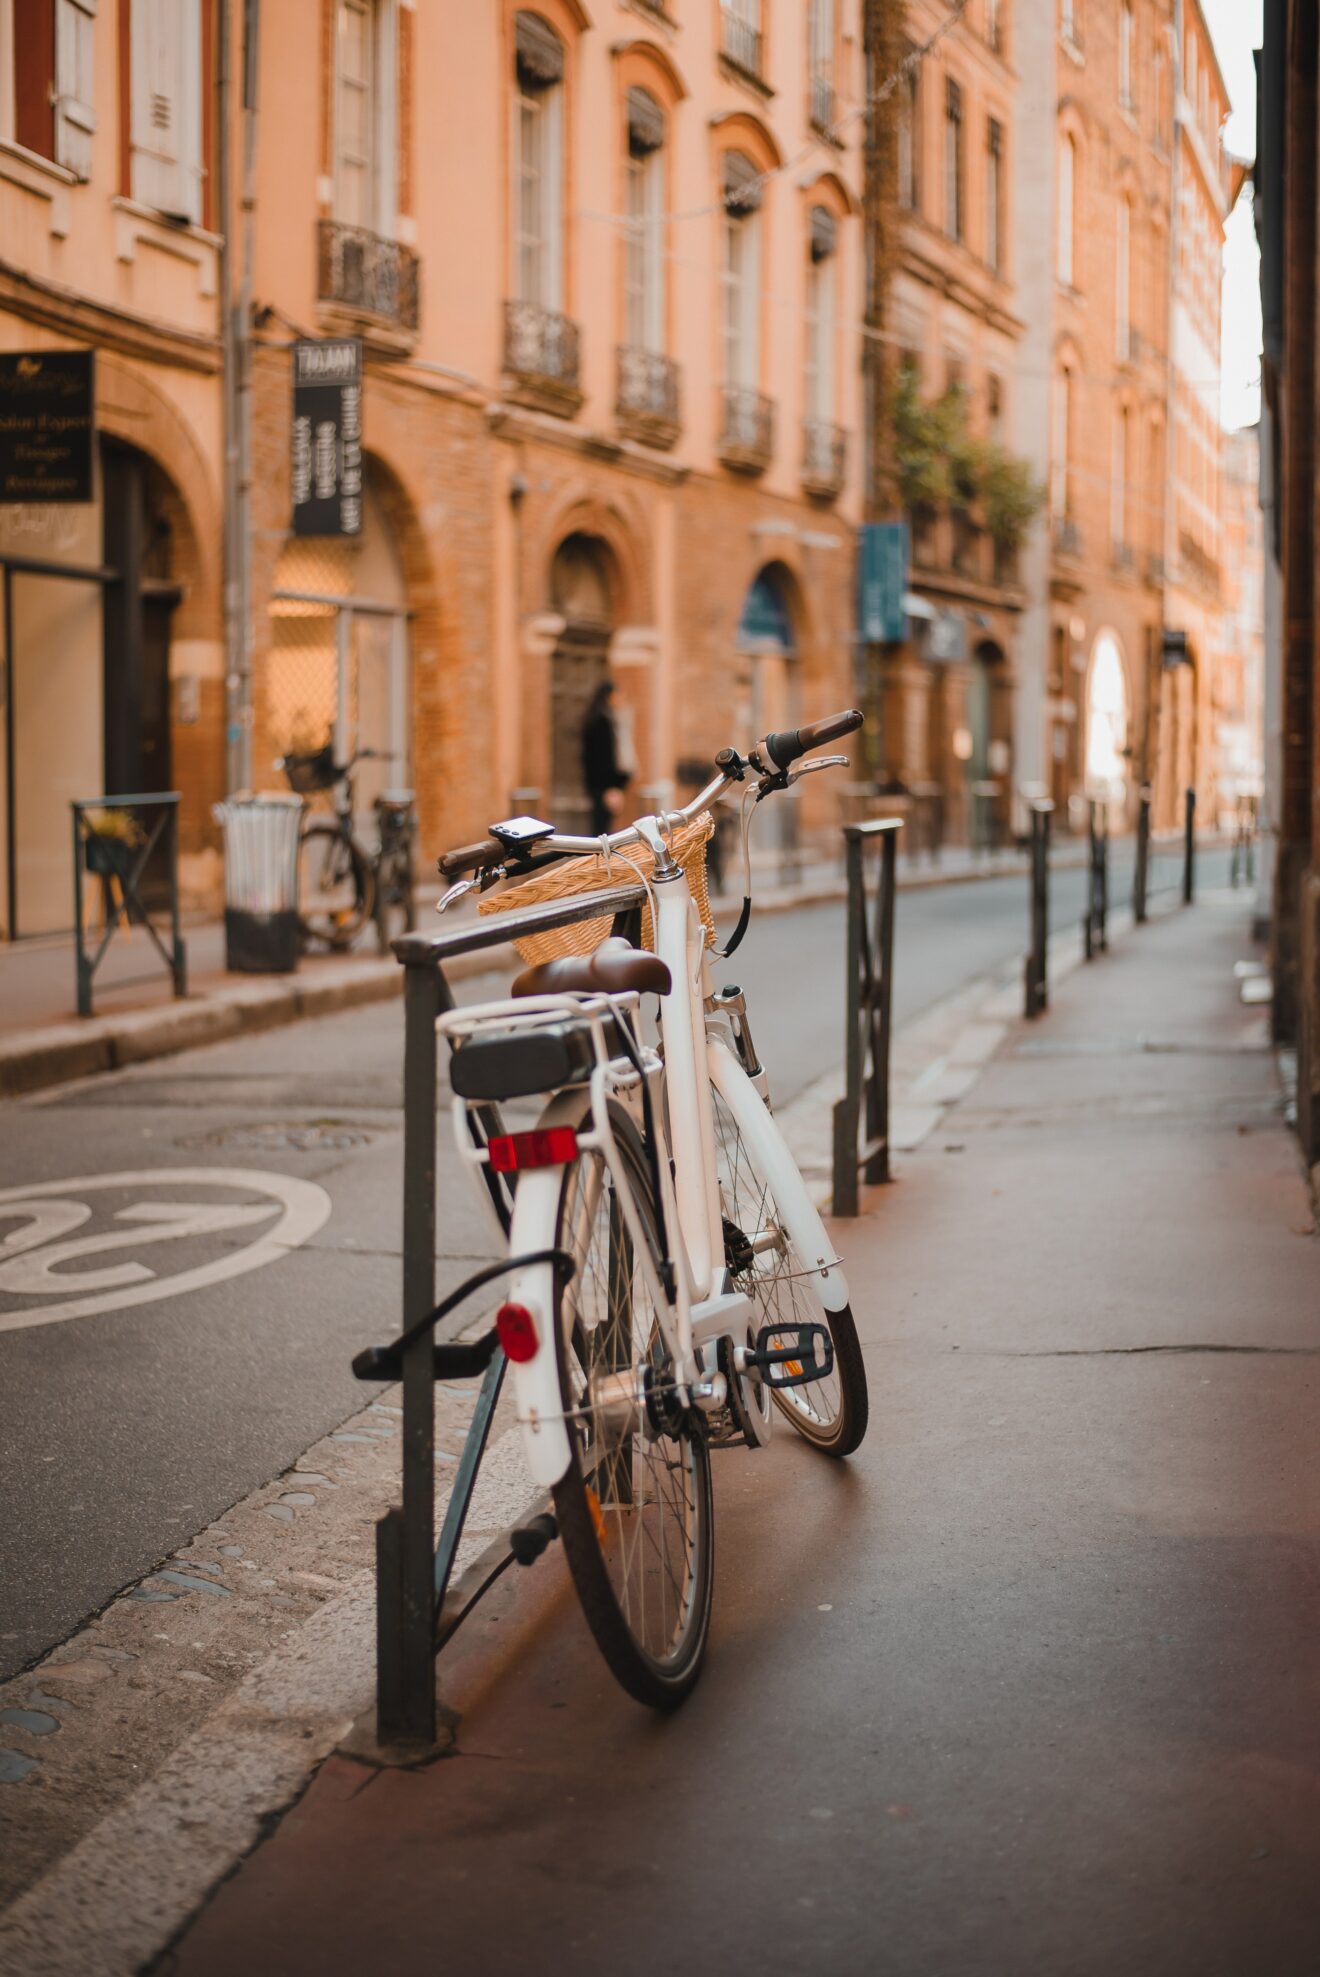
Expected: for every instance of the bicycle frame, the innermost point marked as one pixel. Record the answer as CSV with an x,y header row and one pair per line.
x,y
697,1056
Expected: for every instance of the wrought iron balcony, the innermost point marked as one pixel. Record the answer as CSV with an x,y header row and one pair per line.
x,y
1155,568
1067,537
824,457
358,271
741,41
747,429
541,352
1125,559
646,398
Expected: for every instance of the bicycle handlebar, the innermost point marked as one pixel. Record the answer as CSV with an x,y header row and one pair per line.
x,y
771,757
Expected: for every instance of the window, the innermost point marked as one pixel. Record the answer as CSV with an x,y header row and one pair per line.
x,y
821,316
953,160
644,280
740,275
166,109
994,405
994,194
1125,31
46,81
1068,19
909,138
1118,488
1060,490
741,20
820,61
538,248
1067,196
1157,97
1123,281
994,25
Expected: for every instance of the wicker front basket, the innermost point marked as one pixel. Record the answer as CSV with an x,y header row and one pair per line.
x,y
579,875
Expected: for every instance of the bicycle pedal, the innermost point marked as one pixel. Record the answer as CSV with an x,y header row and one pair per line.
x,y
793,1355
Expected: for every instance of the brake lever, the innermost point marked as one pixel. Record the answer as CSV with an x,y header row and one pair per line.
x,y
457,891
821,762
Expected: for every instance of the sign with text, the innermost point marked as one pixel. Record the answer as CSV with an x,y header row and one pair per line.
x,y
882,562
47,419
327,437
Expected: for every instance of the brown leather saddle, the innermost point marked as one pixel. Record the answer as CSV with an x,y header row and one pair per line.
x,y
614,969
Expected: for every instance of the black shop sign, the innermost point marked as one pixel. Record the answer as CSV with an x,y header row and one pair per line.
x,y
47,418
327,437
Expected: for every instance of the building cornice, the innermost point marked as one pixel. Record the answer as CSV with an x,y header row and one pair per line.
x,y
77,316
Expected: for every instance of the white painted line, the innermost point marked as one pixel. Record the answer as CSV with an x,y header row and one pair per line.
x,y
50,1208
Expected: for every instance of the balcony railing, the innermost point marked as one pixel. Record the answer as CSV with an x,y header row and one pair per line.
x,y
741,41
824,457
1154,568
358,271
646,396
1067,538
747,429
541,351
1125,559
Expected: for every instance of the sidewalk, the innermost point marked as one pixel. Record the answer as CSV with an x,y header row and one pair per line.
x,y
44,1042
1031,1684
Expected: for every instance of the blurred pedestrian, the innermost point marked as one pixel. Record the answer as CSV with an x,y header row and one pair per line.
x,y
602,772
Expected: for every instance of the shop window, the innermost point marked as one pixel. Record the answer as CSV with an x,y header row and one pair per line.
x,y
166,107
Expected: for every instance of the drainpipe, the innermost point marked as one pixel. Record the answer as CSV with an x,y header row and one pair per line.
x,y
1170,410
230,549
238,438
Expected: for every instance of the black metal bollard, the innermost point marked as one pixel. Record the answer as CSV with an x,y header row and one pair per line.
x,y
1095,931
1141,872
1189,849
1036,997
869,1002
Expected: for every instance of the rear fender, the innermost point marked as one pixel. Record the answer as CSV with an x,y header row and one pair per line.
x,y
537,1397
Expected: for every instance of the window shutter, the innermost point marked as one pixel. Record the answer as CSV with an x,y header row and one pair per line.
x,y
75,117
166,107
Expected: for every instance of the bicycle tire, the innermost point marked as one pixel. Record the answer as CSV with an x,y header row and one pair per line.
x,y
342,863
603,1531
831,1414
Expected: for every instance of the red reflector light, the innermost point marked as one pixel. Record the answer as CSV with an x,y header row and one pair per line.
x,y
517,1332
510,1153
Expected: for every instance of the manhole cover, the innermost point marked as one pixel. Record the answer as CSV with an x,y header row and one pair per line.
x,y
313,1136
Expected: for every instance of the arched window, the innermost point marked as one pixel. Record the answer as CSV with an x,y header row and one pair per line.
x,y
1123,280
644,282
994,194
538,244
820,62
821,315
953,159
741,272
1119,485
909,138
1106,720
1067,194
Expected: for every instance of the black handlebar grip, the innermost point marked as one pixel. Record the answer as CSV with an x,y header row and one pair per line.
x,y
785,747
470,857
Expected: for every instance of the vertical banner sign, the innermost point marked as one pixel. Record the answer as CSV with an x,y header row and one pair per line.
x,y
882,563
327,437
47,418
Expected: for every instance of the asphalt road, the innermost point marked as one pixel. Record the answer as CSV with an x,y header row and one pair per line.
x,y
133,1420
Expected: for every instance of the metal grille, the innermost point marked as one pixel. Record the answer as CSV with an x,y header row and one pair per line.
x,y
540,345
824,454
359,270
648,385
747,427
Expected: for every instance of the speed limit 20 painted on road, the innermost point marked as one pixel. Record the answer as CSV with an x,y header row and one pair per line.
x,y
71,1249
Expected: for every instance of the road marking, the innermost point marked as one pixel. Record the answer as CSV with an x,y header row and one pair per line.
x,y
48,1209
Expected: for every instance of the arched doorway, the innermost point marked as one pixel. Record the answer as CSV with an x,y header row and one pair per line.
x,y
1107,721
990,731
582,593
338,668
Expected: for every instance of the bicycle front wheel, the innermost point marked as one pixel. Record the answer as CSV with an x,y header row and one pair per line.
x,y
335,887
765,1262
634,1509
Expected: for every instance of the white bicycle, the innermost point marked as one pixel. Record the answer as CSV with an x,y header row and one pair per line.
x,y
680,1284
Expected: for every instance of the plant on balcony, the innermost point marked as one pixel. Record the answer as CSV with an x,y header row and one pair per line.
x,y
943,464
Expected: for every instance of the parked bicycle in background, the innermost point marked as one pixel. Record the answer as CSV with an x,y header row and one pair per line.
x,y
341,884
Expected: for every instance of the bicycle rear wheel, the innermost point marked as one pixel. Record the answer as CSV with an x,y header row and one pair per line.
x,y
634,1509
336,891
764,1262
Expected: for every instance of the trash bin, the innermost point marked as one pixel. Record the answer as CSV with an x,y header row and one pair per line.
x,y
261,883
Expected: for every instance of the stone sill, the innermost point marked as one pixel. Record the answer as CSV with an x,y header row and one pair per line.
x,y
380,336
563,401
649,429
734,71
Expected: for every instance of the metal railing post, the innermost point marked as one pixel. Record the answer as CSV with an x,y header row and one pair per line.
x,y
1095,935
405,1706
178,952
1189,849
82,965
1036,996
1141,872
847,1110
868,1014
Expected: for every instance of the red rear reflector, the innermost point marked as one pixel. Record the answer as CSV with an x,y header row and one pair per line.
x,y
510,1153
517,1332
